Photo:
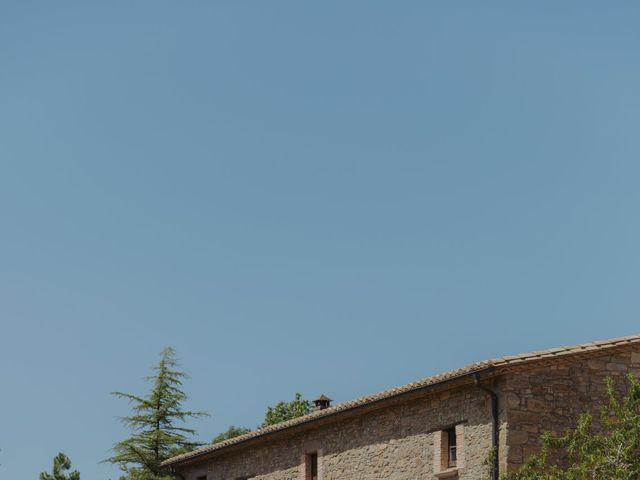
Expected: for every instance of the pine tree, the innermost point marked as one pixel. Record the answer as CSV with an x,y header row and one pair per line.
x,y
61,463
157,424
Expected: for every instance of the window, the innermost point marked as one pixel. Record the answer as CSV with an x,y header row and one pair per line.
x,y
311,466
452,457
448,450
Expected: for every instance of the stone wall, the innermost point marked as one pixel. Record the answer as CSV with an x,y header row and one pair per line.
x,y
395,443
404,441
550,398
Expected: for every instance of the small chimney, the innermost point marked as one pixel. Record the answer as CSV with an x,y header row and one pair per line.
x,y
322,402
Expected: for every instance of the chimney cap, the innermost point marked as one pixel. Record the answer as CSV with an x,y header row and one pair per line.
x,y
322,402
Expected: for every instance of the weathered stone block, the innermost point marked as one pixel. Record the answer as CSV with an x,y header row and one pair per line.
x,y
517,437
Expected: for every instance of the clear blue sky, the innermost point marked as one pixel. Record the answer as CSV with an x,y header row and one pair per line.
x,y
326,197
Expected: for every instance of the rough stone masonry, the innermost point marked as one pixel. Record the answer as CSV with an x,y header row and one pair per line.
x,y
438,427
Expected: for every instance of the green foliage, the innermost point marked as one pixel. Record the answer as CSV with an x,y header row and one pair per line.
x,y
156,424
610,452
489,463
61,464
231,432
283,411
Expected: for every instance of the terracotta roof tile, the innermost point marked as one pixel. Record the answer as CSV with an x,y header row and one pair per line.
x,y
506,361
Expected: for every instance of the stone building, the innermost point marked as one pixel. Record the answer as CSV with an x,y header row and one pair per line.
x,y
441,427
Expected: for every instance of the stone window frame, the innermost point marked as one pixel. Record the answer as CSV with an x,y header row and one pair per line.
x,y
305,474
441,468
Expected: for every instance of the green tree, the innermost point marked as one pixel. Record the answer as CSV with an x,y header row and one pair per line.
x,y
61,464
156,424
608,451
231,432
283,411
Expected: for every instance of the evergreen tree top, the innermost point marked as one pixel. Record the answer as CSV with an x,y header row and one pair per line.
x,y
157,423
61,464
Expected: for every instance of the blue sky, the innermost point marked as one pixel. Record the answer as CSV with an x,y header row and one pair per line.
x,y
325,197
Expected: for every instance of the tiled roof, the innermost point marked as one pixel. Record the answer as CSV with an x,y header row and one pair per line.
x,y
495,364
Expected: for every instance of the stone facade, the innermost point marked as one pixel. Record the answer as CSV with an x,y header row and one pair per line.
x,y
400,442
404,436
549,398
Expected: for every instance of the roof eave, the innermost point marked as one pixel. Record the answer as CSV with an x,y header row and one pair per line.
x,y
330,413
